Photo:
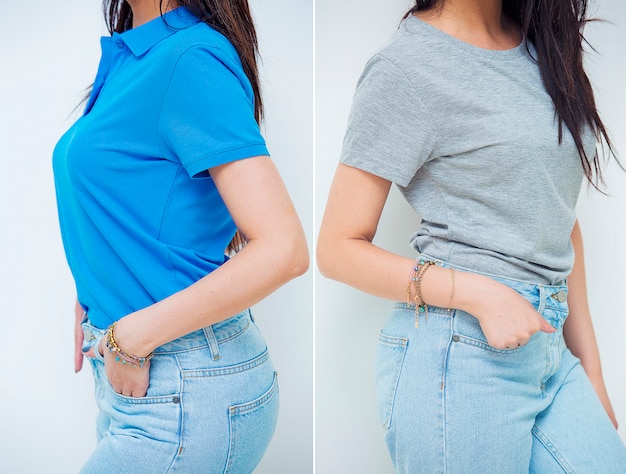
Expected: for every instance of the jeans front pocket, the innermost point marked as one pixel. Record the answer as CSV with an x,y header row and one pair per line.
x,y
389,361
137,435
467,330
252,425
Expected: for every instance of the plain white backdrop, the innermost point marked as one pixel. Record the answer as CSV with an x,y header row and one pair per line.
x,y
49,54
348,32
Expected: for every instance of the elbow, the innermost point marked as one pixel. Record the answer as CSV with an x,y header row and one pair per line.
x,y
325,258
324,266
300,263
295,257
336,253
282,256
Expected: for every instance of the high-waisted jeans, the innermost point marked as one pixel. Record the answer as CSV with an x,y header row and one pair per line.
x,y
451,403
211,406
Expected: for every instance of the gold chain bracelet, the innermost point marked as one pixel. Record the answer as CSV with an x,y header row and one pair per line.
x,y
122,356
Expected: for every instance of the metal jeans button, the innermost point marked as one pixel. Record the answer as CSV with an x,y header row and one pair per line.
x,y
561,296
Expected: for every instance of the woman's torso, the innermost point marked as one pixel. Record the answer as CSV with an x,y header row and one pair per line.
x,y
140,217
472,143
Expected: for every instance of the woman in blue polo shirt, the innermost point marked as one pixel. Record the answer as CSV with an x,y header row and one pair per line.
x,y
152,183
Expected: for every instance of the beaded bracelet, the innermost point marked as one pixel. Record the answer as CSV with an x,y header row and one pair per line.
x,y
122,356
417,275
415,269
423,307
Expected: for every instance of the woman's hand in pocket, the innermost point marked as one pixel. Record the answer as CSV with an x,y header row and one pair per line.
x,y
507,319
124,379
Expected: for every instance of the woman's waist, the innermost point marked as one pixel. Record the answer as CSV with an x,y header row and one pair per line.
x,y
541,295
538,269
216,333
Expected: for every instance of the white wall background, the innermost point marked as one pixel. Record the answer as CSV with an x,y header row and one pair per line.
x,y
49,54
348,436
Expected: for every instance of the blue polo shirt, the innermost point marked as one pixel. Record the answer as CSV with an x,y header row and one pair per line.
x,y
140,216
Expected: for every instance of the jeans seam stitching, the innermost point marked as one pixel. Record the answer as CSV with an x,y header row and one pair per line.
x,y
541,437
227,370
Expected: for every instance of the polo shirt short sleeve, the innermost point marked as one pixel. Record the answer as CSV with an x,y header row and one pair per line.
x,y
207,117
140,216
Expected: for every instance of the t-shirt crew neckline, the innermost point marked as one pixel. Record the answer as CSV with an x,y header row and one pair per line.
x,y
414,24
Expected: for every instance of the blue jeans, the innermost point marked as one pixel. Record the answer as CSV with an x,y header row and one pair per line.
x,y
211,406
451,403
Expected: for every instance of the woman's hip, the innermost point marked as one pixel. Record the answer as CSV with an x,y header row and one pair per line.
x,y
209,392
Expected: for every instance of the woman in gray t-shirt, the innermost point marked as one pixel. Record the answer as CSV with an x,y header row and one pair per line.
x,y
482,115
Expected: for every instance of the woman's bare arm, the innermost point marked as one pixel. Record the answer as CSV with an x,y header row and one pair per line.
x,y
276,252
578,330
345,252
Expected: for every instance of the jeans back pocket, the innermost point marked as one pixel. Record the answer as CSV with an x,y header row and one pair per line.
x,y
252,425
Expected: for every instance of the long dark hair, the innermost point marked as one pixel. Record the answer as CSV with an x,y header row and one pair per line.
x,y
555,28
233,19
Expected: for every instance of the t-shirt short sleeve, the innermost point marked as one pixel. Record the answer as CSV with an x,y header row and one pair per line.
x,y
388,133
207,118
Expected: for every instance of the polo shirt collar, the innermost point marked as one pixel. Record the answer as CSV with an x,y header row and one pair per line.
x,y
139,40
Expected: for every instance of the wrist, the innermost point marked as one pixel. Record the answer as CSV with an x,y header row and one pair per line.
x,y
470,290
132,338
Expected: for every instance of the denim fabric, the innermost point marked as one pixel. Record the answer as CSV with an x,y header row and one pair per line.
x,y
211,407
451,403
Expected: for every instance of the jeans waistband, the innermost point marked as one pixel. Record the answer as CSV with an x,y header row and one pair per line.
x,y
216,333
541,296
209,336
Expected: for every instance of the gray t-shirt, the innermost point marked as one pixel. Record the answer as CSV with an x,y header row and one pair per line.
x,y
470,137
